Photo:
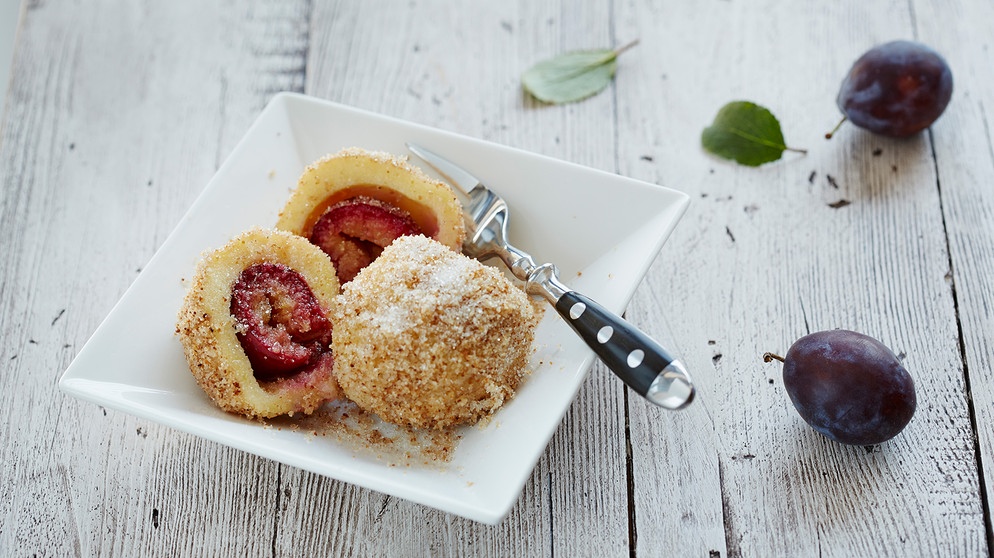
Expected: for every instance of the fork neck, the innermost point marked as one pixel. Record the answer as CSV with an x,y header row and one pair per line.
x,y
544,280
539,279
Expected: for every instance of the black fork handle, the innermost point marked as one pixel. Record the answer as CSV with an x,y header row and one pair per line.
x,y
642,363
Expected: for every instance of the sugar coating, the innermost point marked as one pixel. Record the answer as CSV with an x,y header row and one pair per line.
x,y
429,338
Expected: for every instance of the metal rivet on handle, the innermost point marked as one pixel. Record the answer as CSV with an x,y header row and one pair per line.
x,y
577,310
605,334
635,358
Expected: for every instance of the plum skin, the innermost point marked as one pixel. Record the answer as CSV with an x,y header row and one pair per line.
x,y
849,387
896,89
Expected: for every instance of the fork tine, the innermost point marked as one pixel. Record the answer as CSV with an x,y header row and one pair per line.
x,y
455,174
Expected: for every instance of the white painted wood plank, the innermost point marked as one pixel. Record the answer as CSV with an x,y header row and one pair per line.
x,y
117,119
760,259
965,166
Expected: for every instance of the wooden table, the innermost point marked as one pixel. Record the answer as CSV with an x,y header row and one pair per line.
x,y
119,113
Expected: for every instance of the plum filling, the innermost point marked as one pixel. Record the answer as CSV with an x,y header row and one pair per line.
x,y
354,232
281,325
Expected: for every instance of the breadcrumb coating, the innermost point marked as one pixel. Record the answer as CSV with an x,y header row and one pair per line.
x,y
427,337
207,329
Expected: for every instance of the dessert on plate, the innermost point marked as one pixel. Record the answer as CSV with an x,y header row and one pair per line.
x,y
421,335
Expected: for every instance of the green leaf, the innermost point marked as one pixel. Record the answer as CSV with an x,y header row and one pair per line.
x,y
745,132
572,76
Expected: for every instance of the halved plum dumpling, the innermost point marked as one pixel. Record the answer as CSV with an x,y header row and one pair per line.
x,y
256,325
355,203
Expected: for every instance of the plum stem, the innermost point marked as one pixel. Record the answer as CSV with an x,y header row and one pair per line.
x,y
836,128
767,357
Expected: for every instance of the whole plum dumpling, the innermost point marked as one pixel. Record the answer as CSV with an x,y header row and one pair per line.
x,y
354,203
427,337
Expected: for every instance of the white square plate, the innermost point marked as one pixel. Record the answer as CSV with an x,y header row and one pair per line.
x,y
601,229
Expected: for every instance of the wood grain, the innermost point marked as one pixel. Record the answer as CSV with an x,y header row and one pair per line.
x,y
964,157
119,113
116,121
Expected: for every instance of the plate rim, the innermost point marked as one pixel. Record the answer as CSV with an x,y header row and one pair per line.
x,y
84,388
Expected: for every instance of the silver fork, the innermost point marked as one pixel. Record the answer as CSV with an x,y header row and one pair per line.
x,y
633,356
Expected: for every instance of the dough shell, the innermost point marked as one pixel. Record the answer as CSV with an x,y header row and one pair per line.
x,y
206,327
355,172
